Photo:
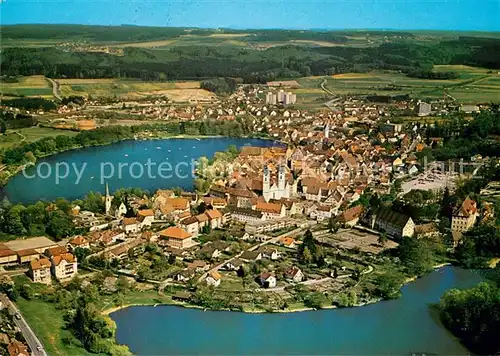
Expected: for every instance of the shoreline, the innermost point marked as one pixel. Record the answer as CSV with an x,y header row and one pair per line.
x,y
409,280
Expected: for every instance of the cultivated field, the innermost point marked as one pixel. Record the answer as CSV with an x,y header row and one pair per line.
x,y
474,85
35,85
131,89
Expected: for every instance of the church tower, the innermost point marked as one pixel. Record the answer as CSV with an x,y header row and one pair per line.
x,y
281,181
107,201
327,130
266,183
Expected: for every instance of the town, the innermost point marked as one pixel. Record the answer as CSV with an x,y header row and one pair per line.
x,y
324,219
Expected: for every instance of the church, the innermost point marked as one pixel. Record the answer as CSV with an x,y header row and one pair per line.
x,y
280,188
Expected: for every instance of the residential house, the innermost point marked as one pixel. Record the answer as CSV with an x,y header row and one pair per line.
x,y
130,225
191,225
294,274
464,218
213,279
39,270
321,212
177,237
214,218
202,220
249,256
17,348
287,242
121,210
269,252
78,241
199,266
56,251
118,252
145,217
184,275
106,237
215,203
171,208
267,280
426,230
234,265
209,251
64,266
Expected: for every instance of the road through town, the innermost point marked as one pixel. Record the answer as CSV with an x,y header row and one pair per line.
x,y
34,344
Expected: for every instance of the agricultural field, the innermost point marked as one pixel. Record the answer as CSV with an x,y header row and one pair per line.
x,y
474,85
35,85
130,89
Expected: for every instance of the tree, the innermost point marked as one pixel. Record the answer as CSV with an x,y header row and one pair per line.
x,y
12,221
59,224
26,292
3,127
388,285
382,239
473,315
415,255
307,256
122,284
333,225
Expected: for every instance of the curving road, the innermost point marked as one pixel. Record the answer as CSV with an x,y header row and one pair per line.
x,y
55,88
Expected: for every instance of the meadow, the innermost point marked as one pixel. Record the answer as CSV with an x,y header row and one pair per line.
x,y
30,134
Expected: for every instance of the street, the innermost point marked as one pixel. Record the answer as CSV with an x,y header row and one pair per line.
x,y
28,334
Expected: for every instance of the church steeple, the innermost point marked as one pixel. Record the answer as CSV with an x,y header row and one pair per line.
x,y
107,201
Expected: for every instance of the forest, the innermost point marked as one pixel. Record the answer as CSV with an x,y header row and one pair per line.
x,y
199,61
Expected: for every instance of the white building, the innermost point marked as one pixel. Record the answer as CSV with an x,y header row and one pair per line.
x,y
64,266
39,271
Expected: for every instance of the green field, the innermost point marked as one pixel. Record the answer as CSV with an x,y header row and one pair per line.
x,y
48,324
35,85
30,134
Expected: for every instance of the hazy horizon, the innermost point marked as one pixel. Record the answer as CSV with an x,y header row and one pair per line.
x,y
416,15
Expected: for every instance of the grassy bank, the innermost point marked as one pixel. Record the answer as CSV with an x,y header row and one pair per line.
x,y
48,324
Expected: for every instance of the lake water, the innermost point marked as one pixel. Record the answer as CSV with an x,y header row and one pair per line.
x,y
396,327
120,165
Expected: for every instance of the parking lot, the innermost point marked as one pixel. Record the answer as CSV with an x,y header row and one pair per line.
x,y
429,180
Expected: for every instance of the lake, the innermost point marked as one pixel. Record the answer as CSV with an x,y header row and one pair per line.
x,y
396,327
143,164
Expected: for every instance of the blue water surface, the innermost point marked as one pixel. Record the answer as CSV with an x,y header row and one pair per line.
x,y
397,327
102,164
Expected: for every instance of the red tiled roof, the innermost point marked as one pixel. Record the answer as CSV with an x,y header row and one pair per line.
x,y
39,264
173,232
